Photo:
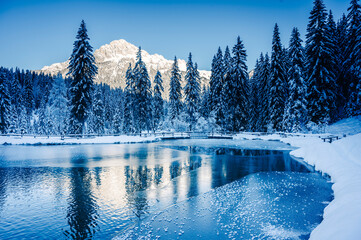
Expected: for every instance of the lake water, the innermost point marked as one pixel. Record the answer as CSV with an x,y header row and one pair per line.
x,y
215,189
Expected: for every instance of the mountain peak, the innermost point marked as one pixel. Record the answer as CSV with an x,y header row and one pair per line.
x,y
113,60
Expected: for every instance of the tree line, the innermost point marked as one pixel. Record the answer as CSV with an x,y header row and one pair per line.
x,y
298,88
295,88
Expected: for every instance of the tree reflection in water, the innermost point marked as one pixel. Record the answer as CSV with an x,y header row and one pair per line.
x,y
82,209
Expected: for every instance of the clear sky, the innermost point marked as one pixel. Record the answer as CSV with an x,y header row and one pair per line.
x,y
35,33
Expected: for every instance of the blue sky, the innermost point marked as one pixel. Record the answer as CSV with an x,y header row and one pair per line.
x,y
36,33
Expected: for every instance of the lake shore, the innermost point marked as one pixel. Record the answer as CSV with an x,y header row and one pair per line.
x,y
341,161
57,140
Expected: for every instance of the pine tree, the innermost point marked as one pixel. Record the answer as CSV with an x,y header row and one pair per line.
x,y
158,102
42,127
354,50
295,113
320,79
28,94
128,125
142,95
216,84
58,105
342,80
240,88
13,120
205,108
334,67
117,120
226,91
264,94
255,99
277,83
191,92
98,112
23,121
175,94
235,89
5,102
213,77
352,59
82,70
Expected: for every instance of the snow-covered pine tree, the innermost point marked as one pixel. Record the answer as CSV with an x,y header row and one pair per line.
x,y
205,106
98,112
58,105
320,79
216,85
175,92
109,101
128,123
158,102
277,83
341,71
351,61
254,97
5,102
239,104
23,121
42,126
142,95
28,92
117,120
354,43
334,67
237,86
213,76
264,94
226,91
82,70
295,113
191,92
13,120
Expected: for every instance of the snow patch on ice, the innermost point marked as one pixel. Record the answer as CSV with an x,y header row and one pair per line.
x,y
279,232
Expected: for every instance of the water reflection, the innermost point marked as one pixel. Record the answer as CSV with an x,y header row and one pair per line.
x,y
137,180
97,191
82,207
2,187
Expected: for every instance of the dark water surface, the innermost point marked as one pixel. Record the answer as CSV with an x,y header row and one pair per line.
x,y
106,191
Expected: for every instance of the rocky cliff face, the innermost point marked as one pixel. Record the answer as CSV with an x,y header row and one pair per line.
x,y
113,60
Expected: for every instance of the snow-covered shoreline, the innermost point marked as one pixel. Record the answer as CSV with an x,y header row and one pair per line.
x,y
341,160
30,140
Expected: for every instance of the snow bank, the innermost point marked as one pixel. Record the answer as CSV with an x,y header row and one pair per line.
x,y
349,126
341,160
30,140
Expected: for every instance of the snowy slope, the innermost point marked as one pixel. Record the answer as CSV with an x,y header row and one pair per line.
x,y
347,126
113,60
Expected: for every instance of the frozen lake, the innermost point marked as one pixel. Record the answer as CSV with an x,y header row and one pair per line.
x,y
173,189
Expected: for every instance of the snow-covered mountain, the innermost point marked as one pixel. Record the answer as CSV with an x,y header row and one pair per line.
x,y
113,60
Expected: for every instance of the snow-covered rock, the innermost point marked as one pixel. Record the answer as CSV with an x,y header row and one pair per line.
x,y
113,60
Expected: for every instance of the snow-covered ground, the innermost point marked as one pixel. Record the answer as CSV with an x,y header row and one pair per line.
x,y
341,160
30,140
